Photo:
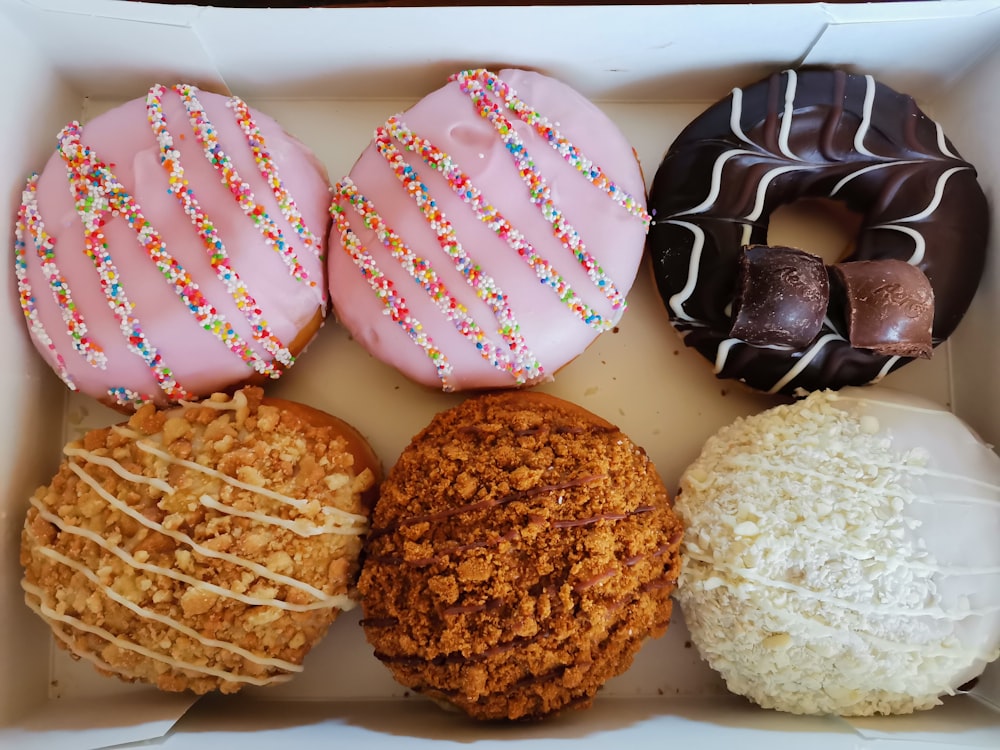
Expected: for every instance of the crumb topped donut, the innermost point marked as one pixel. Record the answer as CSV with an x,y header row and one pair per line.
x,y
206,547
841,556
521,551
173,247
827,134
489,233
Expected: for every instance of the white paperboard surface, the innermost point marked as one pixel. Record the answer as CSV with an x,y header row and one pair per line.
x,y
652,69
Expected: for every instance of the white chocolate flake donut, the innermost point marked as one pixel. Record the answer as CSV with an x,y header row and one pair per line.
x,y
841,554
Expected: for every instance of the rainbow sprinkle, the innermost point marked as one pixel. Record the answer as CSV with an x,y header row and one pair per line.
x,y
219,159
218,257
483,284
502,358
385,290
472,83
489,215
97,193
269,171
27,298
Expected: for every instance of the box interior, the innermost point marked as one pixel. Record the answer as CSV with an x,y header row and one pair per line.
x,y
652,69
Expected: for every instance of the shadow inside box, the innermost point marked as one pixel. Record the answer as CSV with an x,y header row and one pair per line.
x,y
726,719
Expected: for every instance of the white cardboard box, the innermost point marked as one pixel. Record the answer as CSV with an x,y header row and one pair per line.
x,y
330,75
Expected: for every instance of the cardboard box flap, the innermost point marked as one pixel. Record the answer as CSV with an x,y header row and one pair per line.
x,y
949,47
672,51
91,723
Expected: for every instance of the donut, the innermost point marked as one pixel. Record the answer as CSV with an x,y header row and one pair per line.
x,y
173,247
522,549
204,547
814,133
840,554
487,234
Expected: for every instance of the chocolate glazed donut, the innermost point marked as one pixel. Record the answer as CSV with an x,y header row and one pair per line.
x,y
823,134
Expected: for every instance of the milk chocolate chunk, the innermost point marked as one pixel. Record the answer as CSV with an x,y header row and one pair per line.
x,y
781,297
889,306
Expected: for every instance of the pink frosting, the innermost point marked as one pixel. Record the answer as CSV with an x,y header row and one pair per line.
x,y
480,289
173,312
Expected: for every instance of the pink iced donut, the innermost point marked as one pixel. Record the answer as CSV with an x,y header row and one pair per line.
x,y
488,234
161,254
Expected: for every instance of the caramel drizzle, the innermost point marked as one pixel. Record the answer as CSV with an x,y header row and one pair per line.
x,y
491,502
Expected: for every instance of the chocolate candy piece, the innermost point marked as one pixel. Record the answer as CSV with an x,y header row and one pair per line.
x,y
889,306
781,297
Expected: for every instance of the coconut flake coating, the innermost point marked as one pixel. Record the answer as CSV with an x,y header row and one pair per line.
x,y
841,555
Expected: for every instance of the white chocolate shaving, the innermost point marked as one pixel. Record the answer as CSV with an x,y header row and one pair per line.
x,y
826,571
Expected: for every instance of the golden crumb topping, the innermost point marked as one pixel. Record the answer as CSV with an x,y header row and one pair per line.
x,y
203,547
522,549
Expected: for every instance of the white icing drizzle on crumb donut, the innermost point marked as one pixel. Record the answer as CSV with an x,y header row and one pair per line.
x,y
841,556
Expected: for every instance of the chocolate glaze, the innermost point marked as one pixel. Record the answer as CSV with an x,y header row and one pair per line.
x,y
781,297
735,164
888,305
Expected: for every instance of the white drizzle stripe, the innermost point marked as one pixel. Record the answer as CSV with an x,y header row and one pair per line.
x,y
118,469
866,117
938,412
736,115
49,614
261,570
919,246
716,184
762,186
804,360
143,445
722,353
942,143
677,300
148,614
958,499
786,119
886,368
866,170
300,527
66,638
128,559
936,199
917,471
937,613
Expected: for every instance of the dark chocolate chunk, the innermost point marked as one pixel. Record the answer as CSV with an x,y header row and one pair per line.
x,y
889,306
781,297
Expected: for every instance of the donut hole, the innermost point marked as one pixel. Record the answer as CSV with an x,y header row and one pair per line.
x,y
821,226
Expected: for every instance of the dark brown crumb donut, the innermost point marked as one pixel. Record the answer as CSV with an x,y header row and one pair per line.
x,y
204,547
521,551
